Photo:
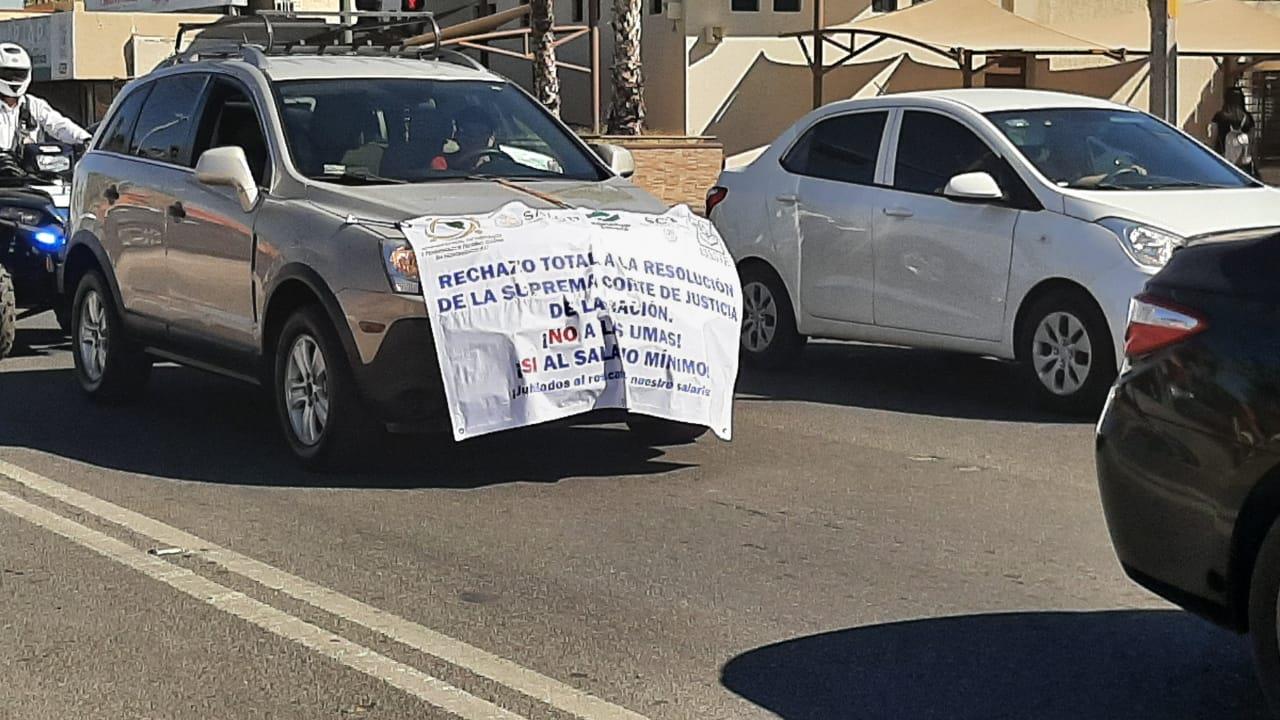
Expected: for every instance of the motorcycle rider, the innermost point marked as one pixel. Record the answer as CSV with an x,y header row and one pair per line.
x,y
26,118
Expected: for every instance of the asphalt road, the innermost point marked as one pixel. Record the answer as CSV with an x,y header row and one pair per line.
x,y
891,534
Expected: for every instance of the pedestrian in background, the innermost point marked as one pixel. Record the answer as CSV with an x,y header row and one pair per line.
x,y
1233,131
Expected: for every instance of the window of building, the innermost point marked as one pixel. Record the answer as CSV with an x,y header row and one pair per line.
x,y
843,148
655,7
578,10
745,5
786,5
884,5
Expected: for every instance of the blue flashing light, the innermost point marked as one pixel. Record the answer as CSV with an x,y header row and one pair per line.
x,y
48,238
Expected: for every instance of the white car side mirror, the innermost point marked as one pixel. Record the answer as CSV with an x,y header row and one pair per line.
x,y
974,186
227,167
618,158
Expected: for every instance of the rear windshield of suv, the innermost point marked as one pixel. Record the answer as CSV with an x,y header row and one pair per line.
x,y
412,130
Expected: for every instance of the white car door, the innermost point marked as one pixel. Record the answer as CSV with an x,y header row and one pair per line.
x,y
836,161
942,265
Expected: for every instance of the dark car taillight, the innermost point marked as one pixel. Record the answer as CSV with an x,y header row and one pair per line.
x,y
1156,323
715,196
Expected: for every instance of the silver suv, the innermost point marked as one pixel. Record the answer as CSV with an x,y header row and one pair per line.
x,y
238,214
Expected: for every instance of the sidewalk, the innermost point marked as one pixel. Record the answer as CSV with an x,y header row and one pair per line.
x,y
1270,175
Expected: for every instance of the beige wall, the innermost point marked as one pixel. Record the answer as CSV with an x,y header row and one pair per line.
x,y
103,39
764,23
665,91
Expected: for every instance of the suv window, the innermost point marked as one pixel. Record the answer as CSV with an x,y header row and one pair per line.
x,y
164,127
390,130
115,136
933,148
229,119
841,148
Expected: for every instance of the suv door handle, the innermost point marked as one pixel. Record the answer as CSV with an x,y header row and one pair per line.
x,y
177,212
112,194
788,199
899,212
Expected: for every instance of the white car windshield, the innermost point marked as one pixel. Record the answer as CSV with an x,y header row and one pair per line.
x,y
405,130
1099,149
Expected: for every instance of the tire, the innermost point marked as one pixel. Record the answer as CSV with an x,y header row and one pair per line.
x,y
657,431
1264,587
321,415
1068,357
8,313
769,338
108,365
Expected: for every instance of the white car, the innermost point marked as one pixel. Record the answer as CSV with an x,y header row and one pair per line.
x,y
1010,223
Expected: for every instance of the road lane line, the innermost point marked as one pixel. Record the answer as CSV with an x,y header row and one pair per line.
x,y
357,657
485,664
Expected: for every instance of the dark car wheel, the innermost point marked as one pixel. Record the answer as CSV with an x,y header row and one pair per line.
x,y
1067,353
769,336
321,414
1264,590
108,365
8,313
657,431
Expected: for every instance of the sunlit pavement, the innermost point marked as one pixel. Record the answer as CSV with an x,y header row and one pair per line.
x,y
891,534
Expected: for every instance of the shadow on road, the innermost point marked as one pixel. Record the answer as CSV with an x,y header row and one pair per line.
x,y
1048,666
194,426
39,342
922,382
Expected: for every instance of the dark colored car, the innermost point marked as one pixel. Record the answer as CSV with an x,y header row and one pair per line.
x,y
1188,447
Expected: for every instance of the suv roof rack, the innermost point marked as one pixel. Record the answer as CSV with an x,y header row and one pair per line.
x,y
253,38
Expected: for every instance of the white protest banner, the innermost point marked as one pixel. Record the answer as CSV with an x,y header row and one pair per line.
x,y
543,314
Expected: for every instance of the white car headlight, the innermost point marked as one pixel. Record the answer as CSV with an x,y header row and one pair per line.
x,y
402,266
1147,246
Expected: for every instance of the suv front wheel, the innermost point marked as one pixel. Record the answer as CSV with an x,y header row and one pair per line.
x,y
320,413
108,365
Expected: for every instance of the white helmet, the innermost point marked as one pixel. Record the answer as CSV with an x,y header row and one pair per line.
x,y
15,70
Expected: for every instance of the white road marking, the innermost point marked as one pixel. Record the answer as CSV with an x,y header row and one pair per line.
x,y
357,657
408,633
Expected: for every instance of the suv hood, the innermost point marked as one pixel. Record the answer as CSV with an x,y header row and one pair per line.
x,y
395,203
1188,213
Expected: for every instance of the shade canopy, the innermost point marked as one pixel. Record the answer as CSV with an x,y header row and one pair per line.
x,y
1205,28
976,26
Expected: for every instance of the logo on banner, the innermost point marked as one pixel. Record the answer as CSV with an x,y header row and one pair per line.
x,y
607,220
445,230
710,246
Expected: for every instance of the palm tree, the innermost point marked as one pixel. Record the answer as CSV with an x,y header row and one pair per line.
x,y
546,78
626,113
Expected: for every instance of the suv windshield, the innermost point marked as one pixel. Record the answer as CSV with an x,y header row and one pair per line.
x,y
408,130
1098,149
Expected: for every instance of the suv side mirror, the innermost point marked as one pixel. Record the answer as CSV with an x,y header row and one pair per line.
x,y
973,187
618,158
227,167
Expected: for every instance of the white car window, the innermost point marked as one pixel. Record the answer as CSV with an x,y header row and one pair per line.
x,y
842,148
933,148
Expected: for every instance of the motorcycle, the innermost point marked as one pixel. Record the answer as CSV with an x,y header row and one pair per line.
x,y
35,194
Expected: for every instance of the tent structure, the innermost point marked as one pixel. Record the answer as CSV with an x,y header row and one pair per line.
x,y
955,29
1207,28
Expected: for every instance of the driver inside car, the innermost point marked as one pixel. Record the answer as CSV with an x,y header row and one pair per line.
x,y
477,144
26,118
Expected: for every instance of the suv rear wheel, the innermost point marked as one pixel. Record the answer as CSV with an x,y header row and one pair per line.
x,y
321,415
109,367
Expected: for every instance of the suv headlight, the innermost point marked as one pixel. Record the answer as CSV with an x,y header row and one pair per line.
x,y
402,266
1145,245
22,216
